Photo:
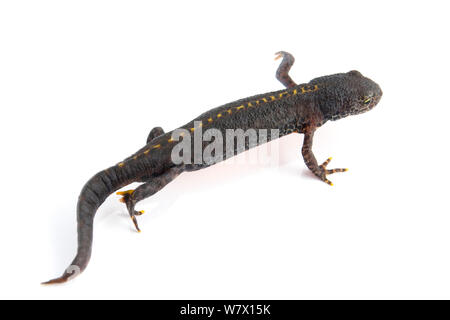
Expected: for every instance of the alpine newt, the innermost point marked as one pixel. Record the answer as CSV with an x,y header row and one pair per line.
x,y
300,108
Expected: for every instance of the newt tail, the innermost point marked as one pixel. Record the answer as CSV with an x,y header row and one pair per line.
x,y
93,194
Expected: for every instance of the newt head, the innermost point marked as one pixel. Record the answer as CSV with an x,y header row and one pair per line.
x,y
366,93
347,94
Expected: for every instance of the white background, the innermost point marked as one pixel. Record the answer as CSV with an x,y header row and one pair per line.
x,y
83,82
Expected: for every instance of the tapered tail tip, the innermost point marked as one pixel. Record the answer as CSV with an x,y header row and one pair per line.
x,y
55,281
69,274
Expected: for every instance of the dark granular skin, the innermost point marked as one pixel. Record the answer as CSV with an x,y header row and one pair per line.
x,y
297,109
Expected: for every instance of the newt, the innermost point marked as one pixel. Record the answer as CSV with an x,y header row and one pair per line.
x,y
299,108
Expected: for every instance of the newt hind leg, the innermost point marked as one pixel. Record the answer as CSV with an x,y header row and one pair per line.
x,y
155,132
283,70
149,188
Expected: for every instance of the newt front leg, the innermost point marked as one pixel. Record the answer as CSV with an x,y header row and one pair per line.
x,y
320,171
283,70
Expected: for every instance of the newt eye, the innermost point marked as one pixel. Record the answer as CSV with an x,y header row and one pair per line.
x,y
367,100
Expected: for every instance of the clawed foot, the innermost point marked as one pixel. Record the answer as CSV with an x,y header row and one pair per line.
x,y
133,214
126,198
281,54
125,195
323,171
133,218
278,55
